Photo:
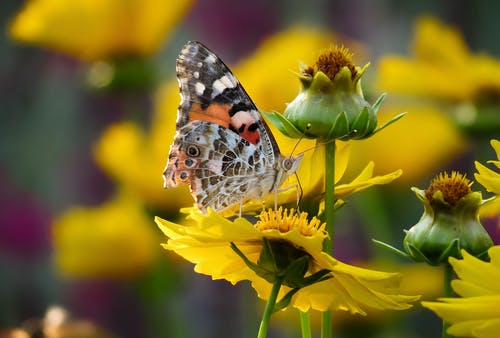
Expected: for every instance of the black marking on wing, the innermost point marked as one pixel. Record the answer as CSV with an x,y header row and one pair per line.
x,y
192,61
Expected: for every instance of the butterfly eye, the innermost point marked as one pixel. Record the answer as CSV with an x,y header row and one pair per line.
x,y
189,162
193,151
183,175
287,163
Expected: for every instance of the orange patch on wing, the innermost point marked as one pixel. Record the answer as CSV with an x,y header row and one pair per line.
x,y
215,113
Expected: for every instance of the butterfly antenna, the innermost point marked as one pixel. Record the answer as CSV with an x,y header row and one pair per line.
x,y
350,133
300,139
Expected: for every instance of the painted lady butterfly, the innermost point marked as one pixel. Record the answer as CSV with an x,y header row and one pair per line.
x,y
223,148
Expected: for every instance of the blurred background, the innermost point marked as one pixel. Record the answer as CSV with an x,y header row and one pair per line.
x,y
88,102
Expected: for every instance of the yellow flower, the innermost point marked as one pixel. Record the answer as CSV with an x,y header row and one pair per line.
x,y
206,241
487,177
98,29
491,181
477,313
92,242
442,66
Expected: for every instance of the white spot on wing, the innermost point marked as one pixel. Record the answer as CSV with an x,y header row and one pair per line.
x,y
242,117
196,75
199,87
210,58
227,81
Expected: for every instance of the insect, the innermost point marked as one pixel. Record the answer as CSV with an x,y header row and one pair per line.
x,y
222,148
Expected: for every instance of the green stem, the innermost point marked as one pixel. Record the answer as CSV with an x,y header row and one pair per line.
x,y
268,311
329,195
305,324
326,319
448,292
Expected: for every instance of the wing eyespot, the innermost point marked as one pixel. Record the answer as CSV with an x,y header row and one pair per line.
x,y
193,151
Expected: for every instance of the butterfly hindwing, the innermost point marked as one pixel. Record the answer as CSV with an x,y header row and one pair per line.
x,y
220,168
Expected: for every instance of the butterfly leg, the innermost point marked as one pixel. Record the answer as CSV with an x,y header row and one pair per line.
x,y
241,208
275,200
295,186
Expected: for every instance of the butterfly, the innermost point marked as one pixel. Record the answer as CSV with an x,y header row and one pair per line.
x,y
222,147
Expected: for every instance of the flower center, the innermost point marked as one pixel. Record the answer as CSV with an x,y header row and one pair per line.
x,y
287,220
333,59
453,186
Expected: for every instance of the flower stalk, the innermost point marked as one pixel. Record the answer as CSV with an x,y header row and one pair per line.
x,y
305,324
448,292
326,320
269,309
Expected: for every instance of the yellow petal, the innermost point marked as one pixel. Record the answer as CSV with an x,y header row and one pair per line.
x,y
352,287
488,178
482,274
496,146
365,180
464,309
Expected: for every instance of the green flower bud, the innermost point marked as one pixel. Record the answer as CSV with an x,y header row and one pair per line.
x,y
450,222
331,104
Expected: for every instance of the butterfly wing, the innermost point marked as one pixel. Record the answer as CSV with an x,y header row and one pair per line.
x,y
223,148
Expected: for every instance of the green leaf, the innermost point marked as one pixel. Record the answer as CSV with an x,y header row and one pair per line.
x,y
452,250
285,301
388,123
376,105
418,256
390,247
361,122
266,274
283,124
295,271
340,128
267,260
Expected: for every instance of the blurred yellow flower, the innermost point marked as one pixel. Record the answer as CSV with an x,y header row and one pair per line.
x,y
441,66
420,143
93,242
98,29
477,313
205,241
